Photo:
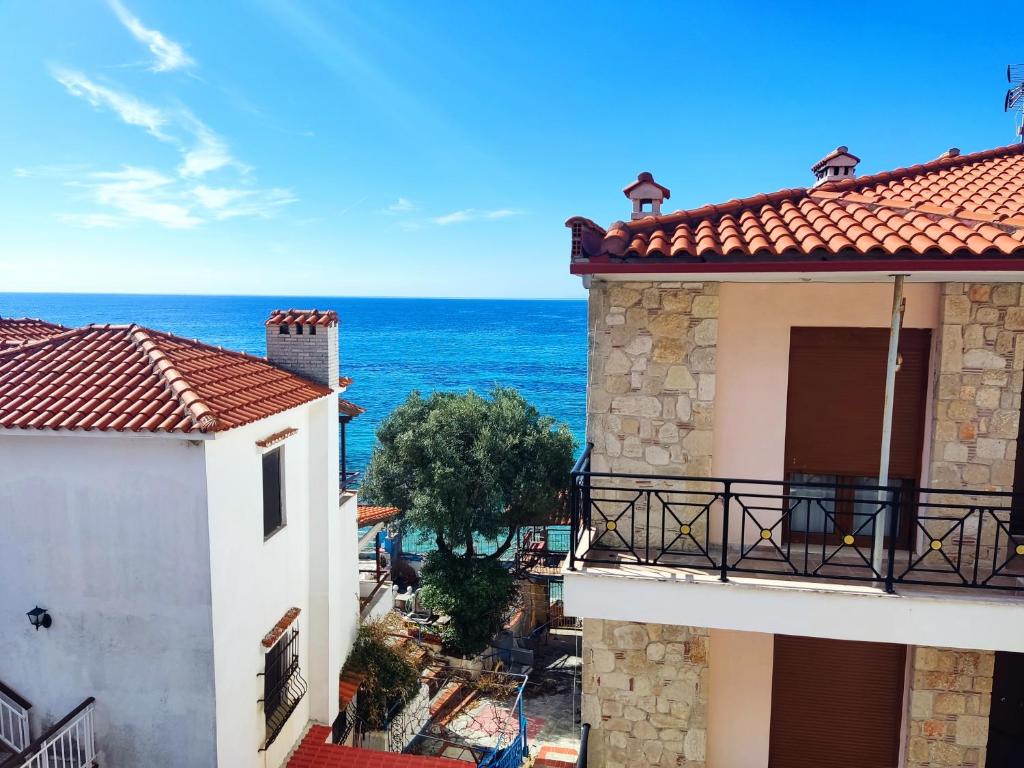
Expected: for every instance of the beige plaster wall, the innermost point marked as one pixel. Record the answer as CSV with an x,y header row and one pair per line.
x,y
753,358
739,699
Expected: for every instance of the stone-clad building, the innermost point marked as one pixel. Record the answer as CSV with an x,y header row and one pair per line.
x,y
752,594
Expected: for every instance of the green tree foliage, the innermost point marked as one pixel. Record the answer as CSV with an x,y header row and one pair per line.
x,y
474,592
391,677
465,467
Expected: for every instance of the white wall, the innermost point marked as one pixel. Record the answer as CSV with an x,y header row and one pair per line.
x,y
254,582
110,535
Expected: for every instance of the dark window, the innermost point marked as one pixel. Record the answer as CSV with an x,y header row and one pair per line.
x,y
273,492
283,686
282,329
298,330
1017,502
312,330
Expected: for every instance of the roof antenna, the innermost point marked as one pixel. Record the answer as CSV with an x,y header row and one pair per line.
x,y
1015,95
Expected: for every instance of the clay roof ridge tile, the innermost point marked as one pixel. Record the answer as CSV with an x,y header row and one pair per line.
x,y
201,414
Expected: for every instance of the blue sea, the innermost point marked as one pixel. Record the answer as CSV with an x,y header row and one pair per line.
x,y
390,347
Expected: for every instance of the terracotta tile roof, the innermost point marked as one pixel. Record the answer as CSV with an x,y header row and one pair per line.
x,y
348,686
15,331
303,317
130,379
282,625
956,212
350,409
370,515
315,751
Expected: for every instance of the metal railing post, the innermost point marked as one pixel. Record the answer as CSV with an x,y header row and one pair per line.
x,y
574,518
726,502
895,512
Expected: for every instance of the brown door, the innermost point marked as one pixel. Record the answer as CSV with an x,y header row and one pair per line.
x,y
836,703
834,421
1006,721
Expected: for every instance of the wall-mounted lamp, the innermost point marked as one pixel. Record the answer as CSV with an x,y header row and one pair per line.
x,y
39,617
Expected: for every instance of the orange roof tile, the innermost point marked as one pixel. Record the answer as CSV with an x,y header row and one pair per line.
x,y
130,379
15,331
350,409
956,212
303,317
282,625
370,515
315,751
348,686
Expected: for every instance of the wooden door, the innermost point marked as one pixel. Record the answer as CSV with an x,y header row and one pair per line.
x,y
836,703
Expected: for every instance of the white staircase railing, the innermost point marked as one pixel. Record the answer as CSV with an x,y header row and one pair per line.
x,y
68,744
13,719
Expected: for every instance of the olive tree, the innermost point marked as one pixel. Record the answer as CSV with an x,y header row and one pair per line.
x,y
465,468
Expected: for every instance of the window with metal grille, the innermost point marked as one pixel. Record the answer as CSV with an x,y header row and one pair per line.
x,y
283,686
273,493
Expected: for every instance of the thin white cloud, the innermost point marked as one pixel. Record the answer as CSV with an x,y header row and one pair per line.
x,y
142,193
474,214
216,198
174,198
402,205
130,109
209,153
230,202
167,54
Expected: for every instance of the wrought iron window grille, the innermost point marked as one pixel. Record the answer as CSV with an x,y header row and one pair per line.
x,y
283,685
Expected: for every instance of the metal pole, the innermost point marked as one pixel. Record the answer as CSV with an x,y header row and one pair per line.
x,y
344,468
890,388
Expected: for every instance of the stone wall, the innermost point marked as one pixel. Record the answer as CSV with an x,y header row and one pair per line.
x,y
650,406
652,376
976,408
950,696
977,399
645,694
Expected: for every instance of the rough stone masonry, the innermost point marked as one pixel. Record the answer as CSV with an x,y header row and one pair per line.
x,y
645,694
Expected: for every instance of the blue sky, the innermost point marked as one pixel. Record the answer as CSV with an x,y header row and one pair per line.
x,y
435,149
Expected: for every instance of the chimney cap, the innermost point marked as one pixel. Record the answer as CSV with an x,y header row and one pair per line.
x,y
302,317
835,154
642,178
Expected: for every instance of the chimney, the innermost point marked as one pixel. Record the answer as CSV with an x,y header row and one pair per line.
x,y
647,196
305,342
837,165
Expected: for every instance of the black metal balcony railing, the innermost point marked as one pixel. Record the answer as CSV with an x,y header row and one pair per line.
x,y
795,529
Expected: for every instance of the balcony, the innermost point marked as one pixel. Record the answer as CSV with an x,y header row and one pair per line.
x,y
783,538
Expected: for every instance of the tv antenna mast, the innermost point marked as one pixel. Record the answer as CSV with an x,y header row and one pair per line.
x,y
1015,95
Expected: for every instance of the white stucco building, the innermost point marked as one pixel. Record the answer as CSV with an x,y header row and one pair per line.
x,y
174,507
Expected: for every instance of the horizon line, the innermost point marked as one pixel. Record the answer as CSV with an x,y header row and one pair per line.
x,y
291,295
